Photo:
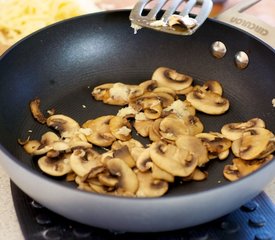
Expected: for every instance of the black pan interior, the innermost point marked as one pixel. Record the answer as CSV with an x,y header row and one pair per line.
x,y
62,63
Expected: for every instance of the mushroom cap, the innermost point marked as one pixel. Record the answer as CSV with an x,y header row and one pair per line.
x,y
100,131
234,131
144,161
124,154
172,159
167,77
82,162
195,147
207,101
142,127
241,168
170,128
253,142
213,86
66,126
58,166
150,187
127,179
215,143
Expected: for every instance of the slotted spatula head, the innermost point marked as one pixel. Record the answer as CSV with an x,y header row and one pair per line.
x,y
173,19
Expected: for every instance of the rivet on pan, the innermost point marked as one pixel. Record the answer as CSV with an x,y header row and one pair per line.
x,y
241,59
218,49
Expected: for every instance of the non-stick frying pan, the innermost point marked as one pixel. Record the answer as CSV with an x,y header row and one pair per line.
x,y
62,63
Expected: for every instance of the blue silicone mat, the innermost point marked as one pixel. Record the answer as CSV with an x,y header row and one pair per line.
x,y
253,221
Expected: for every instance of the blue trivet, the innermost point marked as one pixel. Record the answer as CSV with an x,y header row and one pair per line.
x,y
253,221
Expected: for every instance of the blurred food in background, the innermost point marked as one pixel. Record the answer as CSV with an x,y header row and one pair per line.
x,y
19,18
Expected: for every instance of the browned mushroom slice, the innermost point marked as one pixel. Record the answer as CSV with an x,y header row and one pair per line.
x,y
82,162
195,147
223,155
172,159
124,154
167,77
166,90
154,110
197,175
241,168
108,180
49,141
58,166
127,179
207,101
144,161
213,86
215,143
101,92
154,132
143,126
170,128
150,187
270,148
181,108
149,85
234,131
66,126
252,144
194,125
158,173
36,112
120,128
100,131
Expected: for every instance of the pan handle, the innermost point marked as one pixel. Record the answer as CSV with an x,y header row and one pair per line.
x,y
235,16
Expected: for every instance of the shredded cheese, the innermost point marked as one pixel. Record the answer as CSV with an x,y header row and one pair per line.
x,y
20,18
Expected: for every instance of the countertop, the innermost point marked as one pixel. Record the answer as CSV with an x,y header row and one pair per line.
x,y
9,227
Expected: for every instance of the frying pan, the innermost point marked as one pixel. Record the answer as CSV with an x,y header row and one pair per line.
x,y
62,63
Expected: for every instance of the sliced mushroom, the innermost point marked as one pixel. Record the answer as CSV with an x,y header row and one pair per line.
x,y
100,131
207,101
234,131
223,155
215,143
195,147
101,92
149,85
120,128
172,159
193,124
253,142
59,166
158,173
213,86
127,179
251,146
108,180
150,187
49,141
124,154
167,77
170,128
144,161
165,90
66,126
181,108
241,168
143,126
154,133
82,162
36,112
197,175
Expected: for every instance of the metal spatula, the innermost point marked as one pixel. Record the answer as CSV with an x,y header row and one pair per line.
x,y
171,20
